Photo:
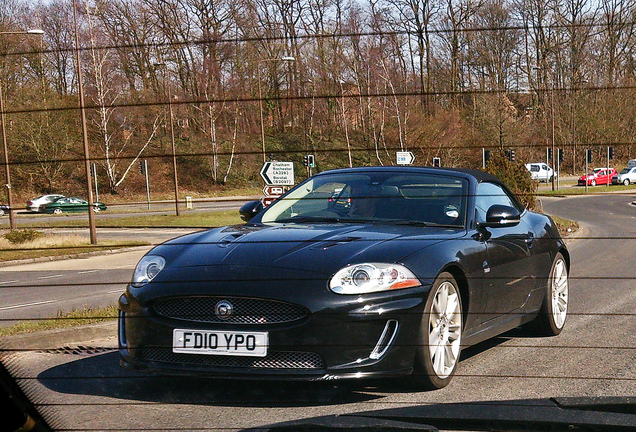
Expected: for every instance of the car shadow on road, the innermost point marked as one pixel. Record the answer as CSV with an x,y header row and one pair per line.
x,y
102,376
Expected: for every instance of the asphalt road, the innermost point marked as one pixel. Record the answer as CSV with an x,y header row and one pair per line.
x,y
595,355
49,288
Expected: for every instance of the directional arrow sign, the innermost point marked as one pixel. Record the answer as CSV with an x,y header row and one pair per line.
x,y
278,173
271,190
405,157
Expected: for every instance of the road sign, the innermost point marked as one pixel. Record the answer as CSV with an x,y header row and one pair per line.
x,y
272,190
268,200
278,173
405,157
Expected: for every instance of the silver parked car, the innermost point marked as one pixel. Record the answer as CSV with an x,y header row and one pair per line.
x,y
626,176
35,204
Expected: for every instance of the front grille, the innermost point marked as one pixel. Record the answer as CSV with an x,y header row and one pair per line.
x,y
274,360
244,310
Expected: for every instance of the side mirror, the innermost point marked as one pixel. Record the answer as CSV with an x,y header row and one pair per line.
x,y
501,216
250,209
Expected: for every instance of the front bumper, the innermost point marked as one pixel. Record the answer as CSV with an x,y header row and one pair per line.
x,y
345,337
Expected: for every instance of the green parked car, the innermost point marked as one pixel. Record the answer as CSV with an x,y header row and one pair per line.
x,y
70,204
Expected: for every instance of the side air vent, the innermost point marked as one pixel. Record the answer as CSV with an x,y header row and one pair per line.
x,y
386,339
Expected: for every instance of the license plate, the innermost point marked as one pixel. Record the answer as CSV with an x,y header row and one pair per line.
x,y
228,343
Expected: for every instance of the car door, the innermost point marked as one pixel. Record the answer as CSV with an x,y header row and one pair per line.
x,y
75,205
510,267
63,204
81,205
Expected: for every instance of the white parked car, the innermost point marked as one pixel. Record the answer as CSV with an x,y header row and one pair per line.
x,y
626,176
540,171
35,204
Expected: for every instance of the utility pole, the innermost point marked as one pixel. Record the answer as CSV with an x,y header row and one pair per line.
x,y
82,106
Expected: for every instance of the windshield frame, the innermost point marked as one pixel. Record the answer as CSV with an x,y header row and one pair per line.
x,y
398,198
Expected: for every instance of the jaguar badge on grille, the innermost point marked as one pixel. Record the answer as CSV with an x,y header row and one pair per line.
x,y
224,309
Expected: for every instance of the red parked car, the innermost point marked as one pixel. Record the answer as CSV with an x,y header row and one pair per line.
x,y
598,177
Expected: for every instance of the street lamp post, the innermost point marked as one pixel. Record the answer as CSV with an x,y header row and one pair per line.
x,y
174,154
553,138
260,96
7,170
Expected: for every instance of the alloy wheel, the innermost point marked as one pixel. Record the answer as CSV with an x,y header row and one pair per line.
x,y
445,324
559,292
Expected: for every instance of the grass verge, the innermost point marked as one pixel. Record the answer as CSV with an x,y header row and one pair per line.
x,y
56,245
566,227
591,190
71,319
185,220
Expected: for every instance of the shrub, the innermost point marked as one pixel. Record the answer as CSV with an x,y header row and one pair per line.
x,y
515,175
23,236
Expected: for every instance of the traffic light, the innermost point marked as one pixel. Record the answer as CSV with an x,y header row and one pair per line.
x,y
549,154
142,169
486,155
610,152
437,162
560,154
309,161
588,155
511,155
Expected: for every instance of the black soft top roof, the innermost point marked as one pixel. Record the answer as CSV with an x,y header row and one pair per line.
x,y
478,175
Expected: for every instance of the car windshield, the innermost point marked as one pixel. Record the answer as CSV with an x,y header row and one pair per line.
x,y
626,170
424,199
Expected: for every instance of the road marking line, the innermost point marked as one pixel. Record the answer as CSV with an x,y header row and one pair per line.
x,y
50,277
27,304
87,271
8,282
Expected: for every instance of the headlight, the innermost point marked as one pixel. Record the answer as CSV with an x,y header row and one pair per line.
x,y
372,277
148,267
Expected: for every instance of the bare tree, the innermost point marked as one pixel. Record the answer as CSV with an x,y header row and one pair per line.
x,y
617,32
417,17
454,24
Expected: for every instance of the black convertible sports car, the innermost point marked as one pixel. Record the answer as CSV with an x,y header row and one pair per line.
x,y
362,272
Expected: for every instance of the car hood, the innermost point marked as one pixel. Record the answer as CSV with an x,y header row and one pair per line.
x,y
322,248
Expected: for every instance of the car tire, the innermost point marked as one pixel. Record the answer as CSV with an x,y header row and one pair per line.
x,y
593,183
96,209
439,343
57,211
2,212
553,312
626,182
